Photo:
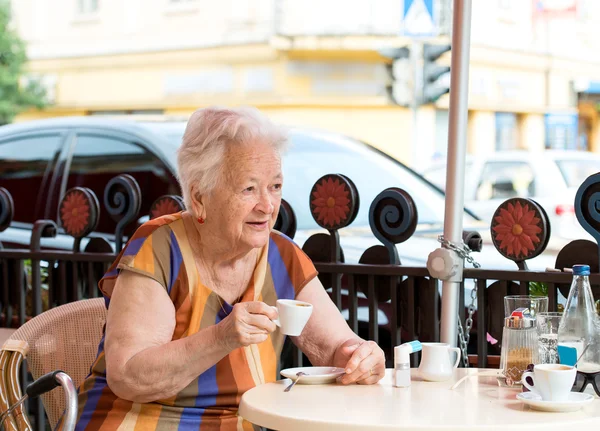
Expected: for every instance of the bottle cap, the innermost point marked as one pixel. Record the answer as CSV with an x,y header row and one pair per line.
x,y
401,355
403,351
581,270
517,322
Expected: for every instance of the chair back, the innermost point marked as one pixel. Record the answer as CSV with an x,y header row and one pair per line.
x,y
63,338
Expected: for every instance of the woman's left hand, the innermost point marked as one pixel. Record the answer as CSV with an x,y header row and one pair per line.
x,y
364,362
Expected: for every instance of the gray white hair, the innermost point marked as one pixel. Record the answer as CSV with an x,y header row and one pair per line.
x,y
209,133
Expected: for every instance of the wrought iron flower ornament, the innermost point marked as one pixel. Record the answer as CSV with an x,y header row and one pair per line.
x,y
79,211
520,229
166,205
334,202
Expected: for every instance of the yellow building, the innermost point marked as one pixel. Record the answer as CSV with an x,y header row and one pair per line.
x,y
302,68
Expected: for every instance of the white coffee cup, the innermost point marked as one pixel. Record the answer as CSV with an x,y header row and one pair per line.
x,y
553,382
293,316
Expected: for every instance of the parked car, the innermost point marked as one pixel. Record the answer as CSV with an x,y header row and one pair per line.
x,y
549,177
88,151
40,160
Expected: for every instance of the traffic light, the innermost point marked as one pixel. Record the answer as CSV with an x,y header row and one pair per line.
x,y
433,86
399,80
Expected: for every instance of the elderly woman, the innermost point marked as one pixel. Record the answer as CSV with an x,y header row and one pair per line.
x,y
189,326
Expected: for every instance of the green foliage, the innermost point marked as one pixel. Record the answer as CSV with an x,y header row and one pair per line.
x,y
16,92
537,288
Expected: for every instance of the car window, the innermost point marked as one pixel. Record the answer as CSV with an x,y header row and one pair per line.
x,y
576,171
437,174
97,159
503,180
25,171
312,156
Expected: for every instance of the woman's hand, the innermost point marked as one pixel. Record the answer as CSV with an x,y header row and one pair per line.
x,y
248,323
364,362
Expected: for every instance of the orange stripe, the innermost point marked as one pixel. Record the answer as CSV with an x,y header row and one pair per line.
x,y
229,421
268,360
241,373
148,417
109,412
182,317
199,303
144,259
247,426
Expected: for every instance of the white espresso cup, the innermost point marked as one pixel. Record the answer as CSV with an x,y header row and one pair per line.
x,y
293,316
553,382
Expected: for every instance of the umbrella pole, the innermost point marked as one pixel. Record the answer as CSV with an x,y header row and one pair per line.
x,y
455,170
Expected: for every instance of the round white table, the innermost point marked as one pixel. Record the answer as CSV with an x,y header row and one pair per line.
x,y
478,403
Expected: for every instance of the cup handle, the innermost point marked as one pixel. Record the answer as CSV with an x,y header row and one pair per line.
x,y
527,385
458,356
276,321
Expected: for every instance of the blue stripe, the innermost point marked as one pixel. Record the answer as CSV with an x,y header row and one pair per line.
x,y
94,394
207,388
225,310
207,397
190,419
279,272
134,246
176,261
112,273
90,405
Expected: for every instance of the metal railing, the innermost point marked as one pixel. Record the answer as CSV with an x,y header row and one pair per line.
x,y
402,302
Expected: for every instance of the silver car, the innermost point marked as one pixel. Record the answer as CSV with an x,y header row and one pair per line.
x,y
549,177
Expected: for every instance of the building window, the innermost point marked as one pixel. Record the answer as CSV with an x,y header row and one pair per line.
x,y
562,132
506,131
87,7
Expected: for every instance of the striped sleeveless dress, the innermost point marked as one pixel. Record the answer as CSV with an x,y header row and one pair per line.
x,y
159,249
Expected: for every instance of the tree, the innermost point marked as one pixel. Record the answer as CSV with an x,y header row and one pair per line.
x,y
17,91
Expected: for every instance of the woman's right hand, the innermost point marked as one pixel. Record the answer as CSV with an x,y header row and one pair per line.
x,y
248,323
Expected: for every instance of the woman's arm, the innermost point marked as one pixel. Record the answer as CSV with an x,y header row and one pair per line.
x,y
328,340
143,364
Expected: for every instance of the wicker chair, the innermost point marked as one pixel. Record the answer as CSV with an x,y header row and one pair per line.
x,y
63,338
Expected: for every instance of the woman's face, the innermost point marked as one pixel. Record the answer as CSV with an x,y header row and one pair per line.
x,y
243,207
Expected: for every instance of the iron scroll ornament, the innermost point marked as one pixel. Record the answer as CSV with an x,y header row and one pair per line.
x,y
286,220
520,230
122,199
587,206
393,218
7,209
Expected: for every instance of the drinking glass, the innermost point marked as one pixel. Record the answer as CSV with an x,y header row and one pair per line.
x,y
535,304
547,331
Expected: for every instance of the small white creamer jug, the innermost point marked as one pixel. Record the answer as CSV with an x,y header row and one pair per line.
x,y
436,364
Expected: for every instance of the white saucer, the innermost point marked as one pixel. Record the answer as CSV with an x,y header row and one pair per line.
x,y
575,401
315,375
